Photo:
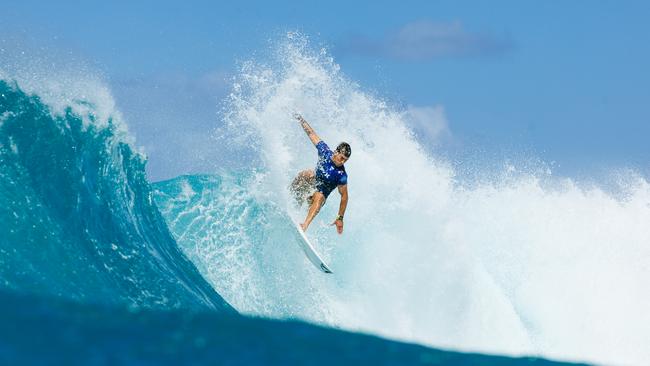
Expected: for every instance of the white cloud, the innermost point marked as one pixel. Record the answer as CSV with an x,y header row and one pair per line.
x,y
429,123
426,40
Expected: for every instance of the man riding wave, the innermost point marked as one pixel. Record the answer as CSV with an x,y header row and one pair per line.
x,y
314,185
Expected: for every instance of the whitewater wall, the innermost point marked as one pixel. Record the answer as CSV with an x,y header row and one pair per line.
x,y
518,262
76,210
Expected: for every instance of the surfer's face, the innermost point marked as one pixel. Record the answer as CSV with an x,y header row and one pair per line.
x,y
339,159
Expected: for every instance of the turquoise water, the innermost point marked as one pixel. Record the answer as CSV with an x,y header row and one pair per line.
x,y
40,330
90,273
78,217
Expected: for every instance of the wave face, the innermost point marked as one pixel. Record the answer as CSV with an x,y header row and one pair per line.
x,y
522,263
77,212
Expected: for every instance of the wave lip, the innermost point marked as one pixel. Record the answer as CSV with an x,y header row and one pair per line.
x,y
78,215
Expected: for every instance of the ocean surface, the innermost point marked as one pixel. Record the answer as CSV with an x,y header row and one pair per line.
x,y
99,265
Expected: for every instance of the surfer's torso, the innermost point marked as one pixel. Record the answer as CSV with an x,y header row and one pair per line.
x,y
328,175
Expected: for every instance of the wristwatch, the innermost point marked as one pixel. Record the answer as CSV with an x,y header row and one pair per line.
x,y
339,217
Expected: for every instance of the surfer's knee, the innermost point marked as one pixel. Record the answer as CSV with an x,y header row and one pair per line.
x,y
304,179
307,174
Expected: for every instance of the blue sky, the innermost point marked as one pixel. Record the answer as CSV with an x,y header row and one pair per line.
x,y
565,81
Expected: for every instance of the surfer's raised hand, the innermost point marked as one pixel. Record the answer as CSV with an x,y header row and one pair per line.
x,y
339,225
308,130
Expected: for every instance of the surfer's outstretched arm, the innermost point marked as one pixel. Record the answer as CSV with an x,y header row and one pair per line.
x,y
343,190
308,130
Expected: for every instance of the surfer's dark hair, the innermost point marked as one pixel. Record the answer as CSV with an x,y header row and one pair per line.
x,y
344,148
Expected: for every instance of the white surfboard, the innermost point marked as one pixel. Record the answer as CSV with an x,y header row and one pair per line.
x,y
309,250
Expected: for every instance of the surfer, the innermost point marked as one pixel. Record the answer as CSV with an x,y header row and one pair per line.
x,y
320,182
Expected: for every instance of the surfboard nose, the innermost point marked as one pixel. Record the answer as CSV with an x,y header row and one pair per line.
x,y
324,268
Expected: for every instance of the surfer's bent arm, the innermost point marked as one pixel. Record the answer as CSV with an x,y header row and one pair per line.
x,y
308,130
343,190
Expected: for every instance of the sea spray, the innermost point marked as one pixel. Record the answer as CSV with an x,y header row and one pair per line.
x,y
528,263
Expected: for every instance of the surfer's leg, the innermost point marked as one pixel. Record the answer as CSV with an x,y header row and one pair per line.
x,y
303,180
307,174
302,186
318,200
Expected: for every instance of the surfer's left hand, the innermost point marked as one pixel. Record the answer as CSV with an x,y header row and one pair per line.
x,y
339,226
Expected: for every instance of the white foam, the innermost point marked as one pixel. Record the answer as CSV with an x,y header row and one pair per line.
x,y
62,83
525,264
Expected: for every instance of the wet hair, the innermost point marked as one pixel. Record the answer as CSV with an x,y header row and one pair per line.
x,y
344,148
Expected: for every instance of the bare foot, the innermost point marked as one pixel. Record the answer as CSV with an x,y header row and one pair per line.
x,y
303,227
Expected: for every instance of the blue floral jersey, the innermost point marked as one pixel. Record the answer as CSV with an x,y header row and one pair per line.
x,y
328,175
